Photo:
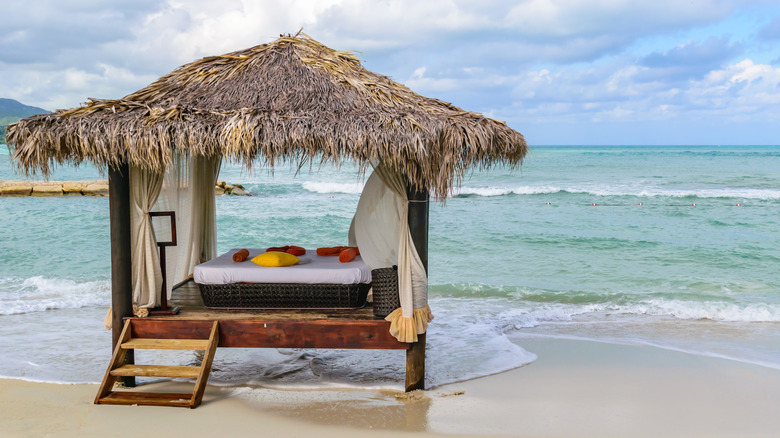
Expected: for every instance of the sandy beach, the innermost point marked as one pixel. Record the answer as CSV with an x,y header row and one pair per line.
x,y
574,389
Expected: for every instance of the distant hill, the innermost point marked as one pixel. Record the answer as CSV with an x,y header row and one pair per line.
x,y
11,111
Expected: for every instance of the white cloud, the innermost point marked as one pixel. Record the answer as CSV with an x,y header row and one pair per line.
x,y
741,89
526,60
578,18
418,73
734,93
58,89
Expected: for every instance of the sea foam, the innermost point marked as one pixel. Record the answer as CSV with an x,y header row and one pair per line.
x,y
329,187
36,294
533,315
503,191
618,190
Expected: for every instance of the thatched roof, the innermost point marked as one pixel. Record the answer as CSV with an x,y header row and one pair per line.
x,y
290,100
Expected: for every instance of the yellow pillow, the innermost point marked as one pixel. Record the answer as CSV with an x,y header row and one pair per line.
x,y
273,259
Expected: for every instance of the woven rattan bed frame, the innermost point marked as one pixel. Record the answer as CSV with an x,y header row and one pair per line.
x,y
284,296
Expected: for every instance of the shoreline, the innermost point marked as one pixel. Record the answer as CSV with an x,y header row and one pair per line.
x,y
574,389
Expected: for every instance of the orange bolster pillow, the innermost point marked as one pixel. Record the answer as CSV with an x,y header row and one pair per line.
x,y
241,255
329,251
296,251
289,249
335,250
348,255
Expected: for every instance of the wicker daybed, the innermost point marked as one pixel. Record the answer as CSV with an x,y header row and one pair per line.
x,y
318,283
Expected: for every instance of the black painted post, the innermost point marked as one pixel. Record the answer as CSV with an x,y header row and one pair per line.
x,y
418,222
418,227
121,262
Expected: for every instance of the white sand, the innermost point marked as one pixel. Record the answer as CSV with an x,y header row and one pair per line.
x,y
577,389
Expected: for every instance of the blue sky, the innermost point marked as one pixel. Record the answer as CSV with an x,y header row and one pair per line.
x,y
559,71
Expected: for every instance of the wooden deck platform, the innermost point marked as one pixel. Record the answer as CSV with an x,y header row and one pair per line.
x,y
316,328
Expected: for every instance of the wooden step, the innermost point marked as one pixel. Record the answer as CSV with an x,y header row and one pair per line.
x,y
157,371
147,399
166,344
118,368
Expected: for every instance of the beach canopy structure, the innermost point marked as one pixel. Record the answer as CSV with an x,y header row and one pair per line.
x,y
295,101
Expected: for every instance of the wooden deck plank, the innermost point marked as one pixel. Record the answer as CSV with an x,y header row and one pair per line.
x,y
166,344
147,399
157,371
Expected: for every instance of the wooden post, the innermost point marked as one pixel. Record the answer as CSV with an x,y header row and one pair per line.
x,y
418,222
415,365
121,262
418,227
164,309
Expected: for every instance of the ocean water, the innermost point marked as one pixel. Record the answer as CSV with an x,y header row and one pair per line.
x,y
670,247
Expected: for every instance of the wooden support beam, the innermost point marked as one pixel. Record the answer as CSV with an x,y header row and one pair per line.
x,y
121,262
205,368
116,360
418,222
259,333
415,365
418,227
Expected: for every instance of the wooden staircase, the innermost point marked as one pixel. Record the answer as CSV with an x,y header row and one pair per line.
x,y
117,368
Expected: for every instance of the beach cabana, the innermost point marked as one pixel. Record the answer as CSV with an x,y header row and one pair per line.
x,y
290,101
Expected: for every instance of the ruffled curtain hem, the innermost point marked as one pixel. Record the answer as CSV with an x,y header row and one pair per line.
x,y
405,328
140,312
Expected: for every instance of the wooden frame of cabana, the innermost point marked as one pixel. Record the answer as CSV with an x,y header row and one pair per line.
x,y
292,100
358,329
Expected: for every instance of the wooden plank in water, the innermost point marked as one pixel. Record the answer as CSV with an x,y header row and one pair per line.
x,y
259,333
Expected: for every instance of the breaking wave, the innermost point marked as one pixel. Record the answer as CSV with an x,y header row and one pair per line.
x,y
725,193
327,187
37,294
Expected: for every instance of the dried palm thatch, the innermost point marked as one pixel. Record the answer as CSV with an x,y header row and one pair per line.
x,y
290,100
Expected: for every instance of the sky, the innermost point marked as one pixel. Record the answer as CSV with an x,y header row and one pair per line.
x,y
562,72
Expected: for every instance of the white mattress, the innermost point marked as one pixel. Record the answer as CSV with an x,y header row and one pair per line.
x,y
319,270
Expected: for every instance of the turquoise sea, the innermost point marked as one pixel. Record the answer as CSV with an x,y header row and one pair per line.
x,y
674,247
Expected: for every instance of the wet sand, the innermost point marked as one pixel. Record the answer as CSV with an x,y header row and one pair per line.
x,y
574,389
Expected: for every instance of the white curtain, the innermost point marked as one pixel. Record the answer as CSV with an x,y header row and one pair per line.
x,y
208,168
381,231
188,190
351,239
147,278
